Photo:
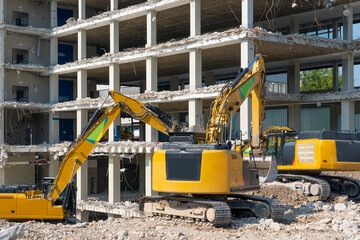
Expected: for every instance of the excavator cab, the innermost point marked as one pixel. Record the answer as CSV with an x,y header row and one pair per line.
x,y
279,145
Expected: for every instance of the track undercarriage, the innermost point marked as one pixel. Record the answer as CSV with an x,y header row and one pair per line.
x,y
216,211
322,185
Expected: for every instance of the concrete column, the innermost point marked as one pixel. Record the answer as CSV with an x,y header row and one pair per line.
x,y
53,166
210,79
348,115
53,51
348,25
348,71
247,56
195,112
151,28
151,134
114,84
114,36
293,77
294,117
174,83
294,24
54,91
54,88
148,175
114,5
195,68
348,107
114,179
195,18
81,83
2,126
2,11
151,74
81,44
53,14
82,9
247,13
82,173
2,80
54,128
2,176
114,74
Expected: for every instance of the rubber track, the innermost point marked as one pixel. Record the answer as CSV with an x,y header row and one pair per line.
x,y
222,210
353,180
325,187
276,207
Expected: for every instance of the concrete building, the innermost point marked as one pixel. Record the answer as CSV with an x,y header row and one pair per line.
x,y
55,53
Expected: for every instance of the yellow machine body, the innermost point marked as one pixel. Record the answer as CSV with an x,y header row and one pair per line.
x,y
22,206
322,155
219,172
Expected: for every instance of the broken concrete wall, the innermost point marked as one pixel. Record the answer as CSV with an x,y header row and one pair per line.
x,y
37,50
37,87
22,127
38,14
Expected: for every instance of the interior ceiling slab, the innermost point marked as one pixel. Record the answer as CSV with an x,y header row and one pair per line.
x,y
100,5
212,59
175,23
182,106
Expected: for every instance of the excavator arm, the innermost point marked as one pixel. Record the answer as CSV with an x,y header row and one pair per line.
x,y
96,128
230,99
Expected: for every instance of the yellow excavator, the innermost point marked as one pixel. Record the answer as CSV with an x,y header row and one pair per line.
x,y
211,173
303,157
56,199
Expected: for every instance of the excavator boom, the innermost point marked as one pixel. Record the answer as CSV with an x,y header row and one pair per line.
x,y
230,100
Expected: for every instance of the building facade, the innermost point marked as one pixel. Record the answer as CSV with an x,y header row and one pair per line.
x,y
55,54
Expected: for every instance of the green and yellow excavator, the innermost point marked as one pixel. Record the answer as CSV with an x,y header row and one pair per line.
x,y
55,198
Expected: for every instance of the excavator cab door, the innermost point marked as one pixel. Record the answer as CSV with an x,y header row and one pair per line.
x,y
274,146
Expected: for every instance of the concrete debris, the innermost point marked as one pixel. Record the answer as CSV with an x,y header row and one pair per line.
x,y
41,32
301,222
11,233
313,98
123,209
42,107
74,21
26,67
130,147
149,95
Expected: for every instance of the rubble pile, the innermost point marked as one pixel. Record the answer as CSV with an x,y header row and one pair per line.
x,y
123,209
317,220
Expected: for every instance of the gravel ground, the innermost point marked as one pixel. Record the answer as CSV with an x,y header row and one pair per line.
x,y
306,221
337,218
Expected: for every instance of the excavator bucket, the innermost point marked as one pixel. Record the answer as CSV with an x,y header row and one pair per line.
x,y
272,172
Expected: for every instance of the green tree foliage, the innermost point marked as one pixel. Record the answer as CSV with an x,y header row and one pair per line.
x,y
317,79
